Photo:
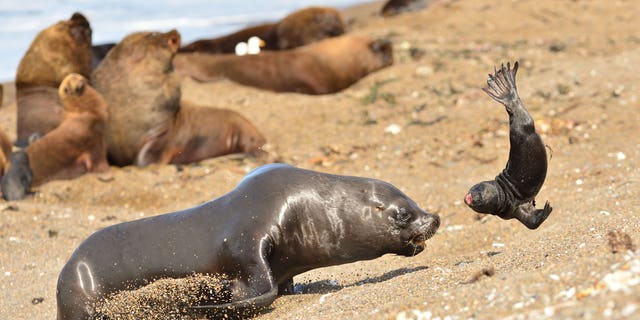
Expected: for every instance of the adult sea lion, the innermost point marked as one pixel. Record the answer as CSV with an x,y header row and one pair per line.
x,y
99,51
296,29
57,51
395,7
199,133
323,67
512,193
279,221
5,151
137,80
75,147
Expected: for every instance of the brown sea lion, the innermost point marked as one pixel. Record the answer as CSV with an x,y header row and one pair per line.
x,y
57,51
278,222
98,52
323,67
297,29
394,7
199,133
137,80
76,146
511,195
5,151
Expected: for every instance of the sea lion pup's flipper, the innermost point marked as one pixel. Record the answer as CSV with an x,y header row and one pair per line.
x,y
531,217
16,182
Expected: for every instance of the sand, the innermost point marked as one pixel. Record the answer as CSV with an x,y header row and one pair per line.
x,y
424,125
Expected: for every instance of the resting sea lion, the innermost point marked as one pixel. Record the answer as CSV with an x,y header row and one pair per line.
x,y
75,147
57,51
278,222
512,193
5,151
297,29
323,67
199,133
395,7
137,80
98,52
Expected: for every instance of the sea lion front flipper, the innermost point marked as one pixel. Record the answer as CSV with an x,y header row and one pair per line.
x,y
502,86
531,217
238,308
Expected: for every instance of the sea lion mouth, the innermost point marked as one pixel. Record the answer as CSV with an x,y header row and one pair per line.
x,y
468,199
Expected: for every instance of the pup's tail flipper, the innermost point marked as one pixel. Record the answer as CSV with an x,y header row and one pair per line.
x,y
502,84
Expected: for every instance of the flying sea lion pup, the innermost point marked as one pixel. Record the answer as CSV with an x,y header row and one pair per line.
x,y
57,51
279,221
512,193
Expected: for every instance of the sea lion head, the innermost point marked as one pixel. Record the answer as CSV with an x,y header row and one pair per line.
x,y
484,197
145,50
58,50
402,224
382,49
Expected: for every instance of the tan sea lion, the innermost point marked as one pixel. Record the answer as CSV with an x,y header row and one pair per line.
x,y
75,147
297,29
143,93
5,151
199,133
323,67
57,51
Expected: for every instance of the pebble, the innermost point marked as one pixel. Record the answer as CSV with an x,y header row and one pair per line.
x,y
393,129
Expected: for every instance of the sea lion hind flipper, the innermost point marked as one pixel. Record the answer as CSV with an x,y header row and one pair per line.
x,y
238,308
501,86
531,217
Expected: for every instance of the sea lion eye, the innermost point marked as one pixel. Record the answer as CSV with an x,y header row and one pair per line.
x,y
379,208
403,215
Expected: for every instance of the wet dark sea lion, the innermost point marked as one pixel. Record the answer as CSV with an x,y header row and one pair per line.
x,y
512,193
199,133
279,221
137,80
323,67
75,147
57,51
296,29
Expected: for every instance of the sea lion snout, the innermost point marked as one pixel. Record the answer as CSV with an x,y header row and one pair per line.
x,y
384,48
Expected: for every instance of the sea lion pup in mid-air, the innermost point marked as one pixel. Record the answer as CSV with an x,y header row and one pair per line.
x,y
77,146
278,222
323,67
297,29
512,193
58,50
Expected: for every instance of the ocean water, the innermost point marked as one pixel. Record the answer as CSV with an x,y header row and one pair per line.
x,y
111,20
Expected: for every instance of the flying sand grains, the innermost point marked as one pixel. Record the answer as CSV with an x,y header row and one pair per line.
x,y
166,299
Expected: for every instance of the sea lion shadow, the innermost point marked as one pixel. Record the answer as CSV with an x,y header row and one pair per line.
x,y
327,286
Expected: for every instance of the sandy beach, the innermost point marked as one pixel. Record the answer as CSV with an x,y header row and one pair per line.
x,y
425,126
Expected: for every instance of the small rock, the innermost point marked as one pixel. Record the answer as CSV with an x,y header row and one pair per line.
x,y
393,129
620,241
37,300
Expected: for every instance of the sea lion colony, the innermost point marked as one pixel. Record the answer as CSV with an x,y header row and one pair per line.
x,y
147,122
